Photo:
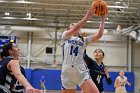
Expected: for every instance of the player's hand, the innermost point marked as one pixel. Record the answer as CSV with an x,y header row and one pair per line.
x,y
106,70
30,89
38,91
90,13
129,84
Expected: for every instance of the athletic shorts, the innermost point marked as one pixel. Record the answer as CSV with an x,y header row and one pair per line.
x,y
121,90
72,75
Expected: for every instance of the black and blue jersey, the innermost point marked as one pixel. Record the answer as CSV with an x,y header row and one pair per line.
x,y
97,72
8,82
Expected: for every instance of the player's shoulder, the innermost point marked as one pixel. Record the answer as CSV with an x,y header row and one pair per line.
x,y
63,36
118,77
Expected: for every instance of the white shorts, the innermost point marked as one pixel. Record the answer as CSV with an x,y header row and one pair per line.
x,y
121,90
72,75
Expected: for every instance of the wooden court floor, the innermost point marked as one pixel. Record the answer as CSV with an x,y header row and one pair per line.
x,y
58,91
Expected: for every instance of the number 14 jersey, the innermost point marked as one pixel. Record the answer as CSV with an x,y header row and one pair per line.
x,y
72,50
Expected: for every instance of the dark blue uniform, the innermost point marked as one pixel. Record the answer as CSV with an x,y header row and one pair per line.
x,y
97,72
8,82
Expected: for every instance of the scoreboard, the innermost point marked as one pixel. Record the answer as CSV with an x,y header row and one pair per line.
x,y
7,39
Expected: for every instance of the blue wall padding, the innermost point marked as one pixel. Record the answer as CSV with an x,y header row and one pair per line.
x,y
113,75
131,79
28,74
53,80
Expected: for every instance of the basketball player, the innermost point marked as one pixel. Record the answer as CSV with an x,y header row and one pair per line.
x,y
97,69
12,79
42,84
74,70
120,83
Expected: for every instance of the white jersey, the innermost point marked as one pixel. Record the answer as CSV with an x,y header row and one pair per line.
x,y
72,49
121,88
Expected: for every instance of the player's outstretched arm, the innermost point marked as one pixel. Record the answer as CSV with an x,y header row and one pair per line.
x,y
13,66
95,37
80,23
88,60
108,79
128,83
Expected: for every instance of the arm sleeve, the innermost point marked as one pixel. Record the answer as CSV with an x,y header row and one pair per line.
x,y
108,80
87,59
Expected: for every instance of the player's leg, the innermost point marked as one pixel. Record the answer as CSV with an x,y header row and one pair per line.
x,y
68,85
89,87
69,91
82,91
85,82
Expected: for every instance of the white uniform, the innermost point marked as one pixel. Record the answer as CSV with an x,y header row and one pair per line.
x,y
121,88
74,70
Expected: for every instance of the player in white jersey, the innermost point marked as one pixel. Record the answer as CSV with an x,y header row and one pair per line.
x,y
120,83
74,70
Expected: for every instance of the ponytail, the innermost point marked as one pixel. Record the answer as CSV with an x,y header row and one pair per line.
x,y
81,37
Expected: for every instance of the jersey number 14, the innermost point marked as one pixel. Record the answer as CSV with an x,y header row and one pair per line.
x,y
74,50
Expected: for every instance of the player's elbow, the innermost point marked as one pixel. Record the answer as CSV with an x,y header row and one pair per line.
x,y
97,38
100,34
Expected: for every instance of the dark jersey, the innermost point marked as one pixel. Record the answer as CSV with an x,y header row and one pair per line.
x,y
8,82
96,71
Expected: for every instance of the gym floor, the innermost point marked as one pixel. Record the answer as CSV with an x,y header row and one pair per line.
x,y
59,91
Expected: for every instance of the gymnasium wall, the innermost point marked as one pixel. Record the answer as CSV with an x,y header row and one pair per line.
x,y
112,52
53,80
136,65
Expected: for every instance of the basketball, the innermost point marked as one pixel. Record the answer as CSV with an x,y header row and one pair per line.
x,y
99,7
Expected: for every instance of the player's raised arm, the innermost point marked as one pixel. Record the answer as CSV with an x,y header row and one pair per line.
x,y
95,37
75,27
